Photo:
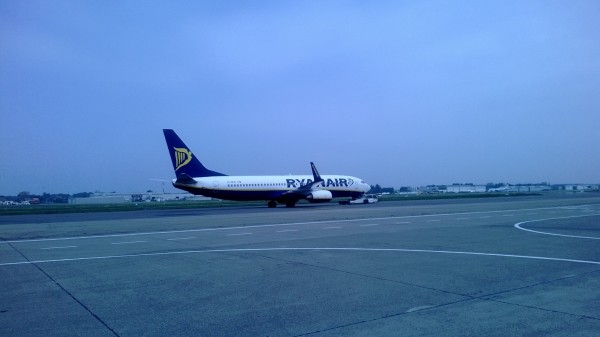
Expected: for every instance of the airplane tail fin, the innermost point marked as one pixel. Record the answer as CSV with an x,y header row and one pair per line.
x,y
184,163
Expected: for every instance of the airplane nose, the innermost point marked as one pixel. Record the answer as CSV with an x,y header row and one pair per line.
x,y
365,187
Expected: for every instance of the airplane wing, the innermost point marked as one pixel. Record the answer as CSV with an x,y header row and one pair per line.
x,y
312,191
317,180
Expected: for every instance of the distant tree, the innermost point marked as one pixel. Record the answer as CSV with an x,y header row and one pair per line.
x,y
493,185
60,198
375,189
389,190
22,196
149,191
82,195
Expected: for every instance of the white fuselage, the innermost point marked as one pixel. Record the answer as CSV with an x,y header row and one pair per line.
x,y
271,187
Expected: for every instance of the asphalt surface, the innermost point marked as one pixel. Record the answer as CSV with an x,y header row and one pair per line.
x,y
493,267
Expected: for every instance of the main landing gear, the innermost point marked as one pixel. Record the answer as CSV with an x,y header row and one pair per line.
x,y
273,204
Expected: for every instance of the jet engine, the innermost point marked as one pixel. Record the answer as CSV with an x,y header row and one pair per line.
x,y
319,196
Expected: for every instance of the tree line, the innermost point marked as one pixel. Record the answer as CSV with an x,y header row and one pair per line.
x,y
45,198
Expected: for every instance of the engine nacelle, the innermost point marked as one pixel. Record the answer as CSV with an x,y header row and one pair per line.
x,y
319,196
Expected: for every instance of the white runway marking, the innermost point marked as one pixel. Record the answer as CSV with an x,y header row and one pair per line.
x,y
518,226
332,227
287,230
369,225
277,225
462,219
485,217
176,239
419,308
62,247
126,242
508,215
435,220
315,249
403,222
238,234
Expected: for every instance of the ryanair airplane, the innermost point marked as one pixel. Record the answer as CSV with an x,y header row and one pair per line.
x,y
193,177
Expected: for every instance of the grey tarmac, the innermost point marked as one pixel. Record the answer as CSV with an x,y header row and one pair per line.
x,y
418,268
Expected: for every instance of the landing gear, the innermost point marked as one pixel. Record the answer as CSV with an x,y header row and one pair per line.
x,y
273,203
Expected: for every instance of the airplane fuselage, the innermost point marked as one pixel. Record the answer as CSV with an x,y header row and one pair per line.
x,y
195,178
245,188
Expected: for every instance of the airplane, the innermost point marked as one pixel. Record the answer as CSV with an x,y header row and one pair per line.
x,y
193,177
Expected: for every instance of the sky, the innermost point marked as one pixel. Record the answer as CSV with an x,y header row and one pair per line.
x,y
398,93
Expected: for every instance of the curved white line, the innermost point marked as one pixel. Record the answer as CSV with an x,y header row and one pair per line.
x,y
518,226
276,225
303,249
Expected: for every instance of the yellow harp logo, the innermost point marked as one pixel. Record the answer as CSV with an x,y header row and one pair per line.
x,y
182,157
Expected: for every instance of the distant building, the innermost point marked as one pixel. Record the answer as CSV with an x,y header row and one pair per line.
x,y
581,188
528,188
108,199
465,188
114,198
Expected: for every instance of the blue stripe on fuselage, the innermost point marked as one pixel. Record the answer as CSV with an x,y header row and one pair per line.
x,y
240,195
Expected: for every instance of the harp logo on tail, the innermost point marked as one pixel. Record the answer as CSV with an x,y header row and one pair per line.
x,y
182,157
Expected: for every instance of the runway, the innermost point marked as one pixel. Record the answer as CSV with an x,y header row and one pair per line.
x,y
494,267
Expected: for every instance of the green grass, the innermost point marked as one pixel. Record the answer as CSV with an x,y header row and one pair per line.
x,y
131,206
452,196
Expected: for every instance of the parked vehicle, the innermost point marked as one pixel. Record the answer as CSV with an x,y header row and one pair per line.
x,y
365,199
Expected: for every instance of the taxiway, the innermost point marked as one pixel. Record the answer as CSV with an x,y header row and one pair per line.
x,y
513,266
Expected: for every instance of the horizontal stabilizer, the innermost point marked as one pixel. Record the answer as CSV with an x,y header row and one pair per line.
x,y
185,179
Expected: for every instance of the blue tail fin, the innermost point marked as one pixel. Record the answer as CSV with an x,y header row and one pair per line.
x,y
184,163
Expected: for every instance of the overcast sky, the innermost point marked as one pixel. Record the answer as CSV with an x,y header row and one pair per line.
x,y
395,92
